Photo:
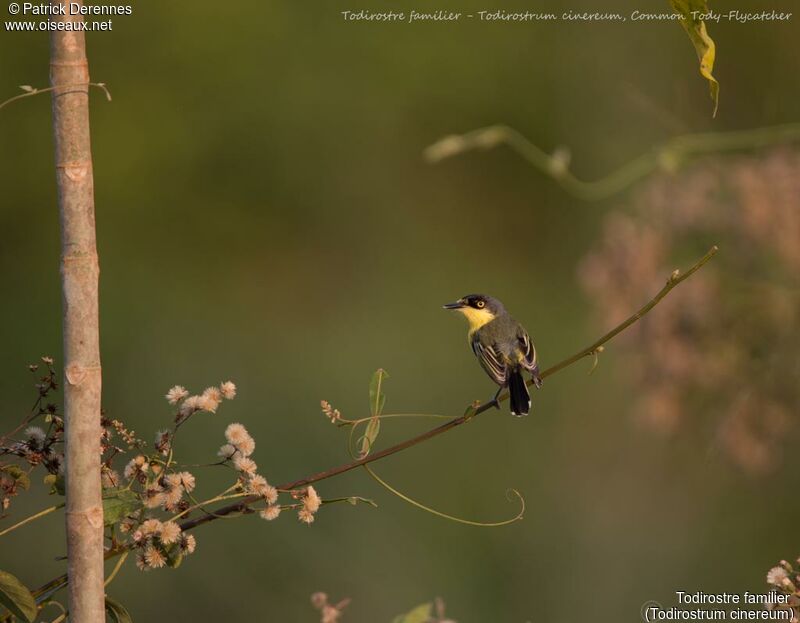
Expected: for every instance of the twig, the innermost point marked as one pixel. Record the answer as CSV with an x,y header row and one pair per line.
x,y
675,279
31,91
116,569
61,617
668,155
49,589
36,410
19,524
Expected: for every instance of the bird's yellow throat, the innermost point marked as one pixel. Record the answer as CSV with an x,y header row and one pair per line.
x,y
476,317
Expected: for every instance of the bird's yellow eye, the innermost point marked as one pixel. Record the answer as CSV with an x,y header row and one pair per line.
x,y
480,304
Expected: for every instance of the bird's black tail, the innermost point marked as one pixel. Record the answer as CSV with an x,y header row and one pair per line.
x,y
518,394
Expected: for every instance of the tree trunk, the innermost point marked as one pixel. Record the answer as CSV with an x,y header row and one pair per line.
x,y
79,272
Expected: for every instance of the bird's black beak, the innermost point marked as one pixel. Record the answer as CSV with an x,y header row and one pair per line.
x,y
456,305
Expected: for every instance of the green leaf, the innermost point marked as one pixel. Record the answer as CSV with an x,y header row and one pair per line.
x,y
117,613
15,596
690,11
119,503
376,401
421,614
56,484
19,476
376,396
369,437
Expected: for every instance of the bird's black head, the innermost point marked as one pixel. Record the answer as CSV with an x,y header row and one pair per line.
x,y
479,303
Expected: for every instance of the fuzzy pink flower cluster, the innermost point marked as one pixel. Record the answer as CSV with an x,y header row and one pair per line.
x,y
310,503
240,445
159,544
329,613
208,401
160,490
784,579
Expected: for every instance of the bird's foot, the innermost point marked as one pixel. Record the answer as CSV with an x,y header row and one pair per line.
x,y
494,402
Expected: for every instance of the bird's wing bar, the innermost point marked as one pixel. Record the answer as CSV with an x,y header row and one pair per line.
x,y
490,361
528,349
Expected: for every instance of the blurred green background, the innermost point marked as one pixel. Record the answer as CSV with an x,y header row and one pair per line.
x,y
264,215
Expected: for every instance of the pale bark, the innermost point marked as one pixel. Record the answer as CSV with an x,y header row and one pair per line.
x,y
80,272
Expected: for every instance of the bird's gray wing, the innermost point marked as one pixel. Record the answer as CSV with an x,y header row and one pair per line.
x,y
491,360
527,348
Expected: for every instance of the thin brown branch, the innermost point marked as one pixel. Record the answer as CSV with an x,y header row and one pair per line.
x,y
676,278
36,410
31,91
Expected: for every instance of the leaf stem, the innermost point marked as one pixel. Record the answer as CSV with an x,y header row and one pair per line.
x,y
19,524
32,92
219,498
668,154
116,568
468,522
351,499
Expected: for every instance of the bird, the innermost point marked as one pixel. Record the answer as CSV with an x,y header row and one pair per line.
x,y
502,346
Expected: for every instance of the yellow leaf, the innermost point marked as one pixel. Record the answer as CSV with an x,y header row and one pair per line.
x,y
420,614
691,12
